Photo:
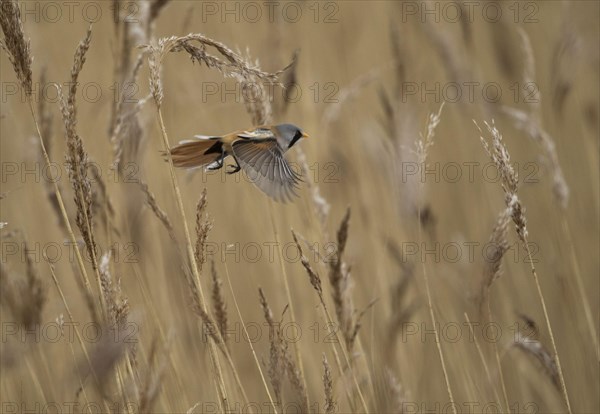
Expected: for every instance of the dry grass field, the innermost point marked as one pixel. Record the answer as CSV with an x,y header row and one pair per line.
x,y
441,255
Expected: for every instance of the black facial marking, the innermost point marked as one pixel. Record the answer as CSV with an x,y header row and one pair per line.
x,y
297,136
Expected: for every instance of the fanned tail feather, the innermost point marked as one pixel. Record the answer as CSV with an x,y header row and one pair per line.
x,y
196,153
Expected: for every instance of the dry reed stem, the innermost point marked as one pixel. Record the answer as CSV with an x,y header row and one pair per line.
x,y
74,324
497,357
17,49
46,126
482,357
492,267
220,307
313,277
492,271
434,323
275,371
43,357
531,124
60,321
315,281
77,157
280,362
228,63
46,118
191,256
499,154
159,212
147,299
339,280
330,405
203,227
422,148
77,160
154,376
237,308
293,375
127,132
197,288
211,327
548,325
338,340
102,202
289,299
216,329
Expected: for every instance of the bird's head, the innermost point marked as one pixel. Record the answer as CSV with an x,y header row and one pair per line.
x,y
288,134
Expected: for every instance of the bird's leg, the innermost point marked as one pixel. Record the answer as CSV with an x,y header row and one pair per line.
x,y
219,161
217,166
236,168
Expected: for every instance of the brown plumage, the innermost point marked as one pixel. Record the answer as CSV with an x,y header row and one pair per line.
x,y
196,153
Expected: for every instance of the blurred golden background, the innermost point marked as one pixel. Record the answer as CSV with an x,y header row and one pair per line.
x,y
365,79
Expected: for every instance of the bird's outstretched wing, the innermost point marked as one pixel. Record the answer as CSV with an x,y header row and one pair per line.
x,y
263,162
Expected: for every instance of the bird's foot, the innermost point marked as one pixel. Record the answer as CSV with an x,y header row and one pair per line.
x,y
234,169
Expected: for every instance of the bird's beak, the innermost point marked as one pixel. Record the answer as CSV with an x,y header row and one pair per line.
x,y
305,135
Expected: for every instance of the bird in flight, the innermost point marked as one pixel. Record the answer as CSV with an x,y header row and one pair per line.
x,y
259,152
